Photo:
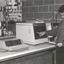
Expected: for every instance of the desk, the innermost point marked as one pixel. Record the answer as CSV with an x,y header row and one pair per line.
x,y
39,54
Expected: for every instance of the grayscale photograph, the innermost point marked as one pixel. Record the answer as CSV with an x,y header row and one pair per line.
x,y
31,31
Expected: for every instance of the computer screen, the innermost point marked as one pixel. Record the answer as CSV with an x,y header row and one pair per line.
x,y
39,30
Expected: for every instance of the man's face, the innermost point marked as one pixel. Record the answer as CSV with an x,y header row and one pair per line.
x,y
62,15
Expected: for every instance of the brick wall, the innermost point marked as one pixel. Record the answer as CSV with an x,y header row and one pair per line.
x,y
38,9
41,9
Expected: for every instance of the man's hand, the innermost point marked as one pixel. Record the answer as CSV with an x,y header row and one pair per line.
x,y
59,44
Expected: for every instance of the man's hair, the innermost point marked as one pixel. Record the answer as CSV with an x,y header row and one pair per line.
x,y
61,9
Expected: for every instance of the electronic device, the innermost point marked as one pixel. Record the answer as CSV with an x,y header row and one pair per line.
x,y
32,33
48,26
12,44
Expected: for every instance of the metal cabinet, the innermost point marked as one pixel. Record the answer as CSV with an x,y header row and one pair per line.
x,y
35,58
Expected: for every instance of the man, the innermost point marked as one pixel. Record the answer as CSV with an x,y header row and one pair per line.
x,y
60,29
60,38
